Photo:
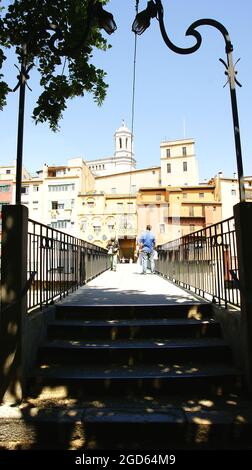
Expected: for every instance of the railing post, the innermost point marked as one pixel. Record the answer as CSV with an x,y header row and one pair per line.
x,y
243,225
13,302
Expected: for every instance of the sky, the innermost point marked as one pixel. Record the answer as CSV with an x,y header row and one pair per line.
x,y
176,96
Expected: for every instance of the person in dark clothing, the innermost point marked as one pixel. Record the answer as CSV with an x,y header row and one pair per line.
x,y
147,244
113,250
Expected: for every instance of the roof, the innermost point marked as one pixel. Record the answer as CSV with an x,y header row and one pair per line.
x,y
123,128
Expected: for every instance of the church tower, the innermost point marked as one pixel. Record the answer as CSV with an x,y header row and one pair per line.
x,y
124,156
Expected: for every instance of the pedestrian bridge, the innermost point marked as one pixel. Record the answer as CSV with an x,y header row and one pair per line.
x,y
128,361
119,357
128,286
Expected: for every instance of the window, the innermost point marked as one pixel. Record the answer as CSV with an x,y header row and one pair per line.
x,y
126,142
123,222
184,166
184,195
60,172
168,168
119,207
201,195
24,190
5,188
111,224
54,205
84,225
97,229
168,153
113,190
35,187
161,228
120,143
90,204
184,151
158,197
61,187
8,172
191,211
130,207
60,224
233,192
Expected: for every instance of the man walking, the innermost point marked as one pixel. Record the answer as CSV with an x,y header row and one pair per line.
x,y
147,244
113,248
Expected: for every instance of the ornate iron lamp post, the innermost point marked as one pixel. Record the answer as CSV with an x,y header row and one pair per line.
x,y
155,10
105,21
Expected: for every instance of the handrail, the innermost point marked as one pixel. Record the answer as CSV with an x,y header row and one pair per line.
x,y
62,261
205,262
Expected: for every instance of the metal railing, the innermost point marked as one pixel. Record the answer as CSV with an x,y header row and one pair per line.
x,y
62,263
204,262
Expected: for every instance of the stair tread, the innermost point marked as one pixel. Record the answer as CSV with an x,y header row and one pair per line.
x,y
133,322
161,371
135,344
166,305
193,402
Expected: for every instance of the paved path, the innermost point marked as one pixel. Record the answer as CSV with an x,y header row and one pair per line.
x,y
127,286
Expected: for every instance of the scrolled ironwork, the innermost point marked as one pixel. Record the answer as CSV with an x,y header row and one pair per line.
x,y
191,31
230,72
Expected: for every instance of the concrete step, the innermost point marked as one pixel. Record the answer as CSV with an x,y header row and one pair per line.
x,y
132,352
171,378
146,423
117,312
129,329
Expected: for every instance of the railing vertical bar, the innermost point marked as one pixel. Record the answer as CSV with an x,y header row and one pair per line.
x,y
201,261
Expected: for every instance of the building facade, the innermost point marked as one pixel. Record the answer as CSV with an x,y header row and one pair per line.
x,y
118,200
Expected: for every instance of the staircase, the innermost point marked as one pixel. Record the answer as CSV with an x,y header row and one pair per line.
x,y
136,377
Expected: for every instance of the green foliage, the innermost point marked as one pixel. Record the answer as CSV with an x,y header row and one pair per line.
x,y
64,65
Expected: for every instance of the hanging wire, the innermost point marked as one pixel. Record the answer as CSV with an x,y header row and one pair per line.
x,y
133,97
134,77
64,65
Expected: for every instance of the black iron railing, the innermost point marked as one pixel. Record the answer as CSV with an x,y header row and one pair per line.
x,y
62,263
204,262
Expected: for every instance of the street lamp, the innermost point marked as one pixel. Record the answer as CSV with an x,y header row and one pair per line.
x,y
155,10
95,14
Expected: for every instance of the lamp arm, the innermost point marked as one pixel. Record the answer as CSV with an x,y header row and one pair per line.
x,y
191,31
230,71
59,36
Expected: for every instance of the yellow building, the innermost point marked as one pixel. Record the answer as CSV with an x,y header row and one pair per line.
x,y
176,211
102,216
109,197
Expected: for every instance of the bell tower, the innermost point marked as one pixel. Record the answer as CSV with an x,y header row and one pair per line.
x,y
123,142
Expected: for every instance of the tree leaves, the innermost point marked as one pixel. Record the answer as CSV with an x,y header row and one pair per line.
x,y
61,35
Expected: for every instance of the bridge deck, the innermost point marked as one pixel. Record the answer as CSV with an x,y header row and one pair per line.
x,y
127,286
